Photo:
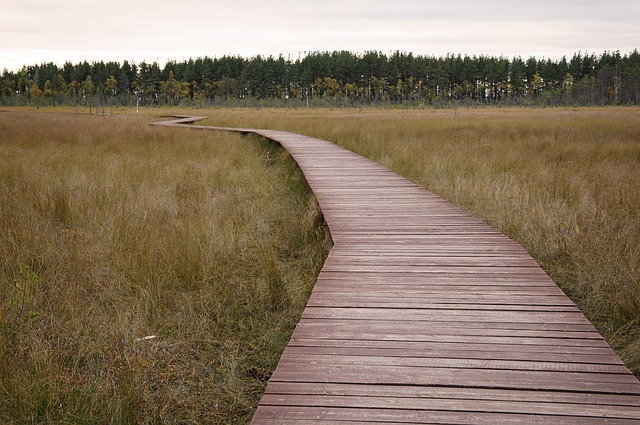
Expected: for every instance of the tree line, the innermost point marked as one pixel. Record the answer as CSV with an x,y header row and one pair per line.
x,y
339,78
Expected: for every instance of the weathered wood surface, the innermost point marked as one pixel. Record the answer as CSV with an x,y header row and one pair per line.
x,y
423,314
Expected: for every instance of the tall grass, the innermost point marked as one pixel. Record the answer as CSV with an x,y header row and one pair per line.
x,y
208,243
147,275
563,182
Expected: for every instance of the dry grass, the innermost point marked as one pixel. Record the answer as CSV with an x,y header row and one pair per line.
x,y
112,231
562,182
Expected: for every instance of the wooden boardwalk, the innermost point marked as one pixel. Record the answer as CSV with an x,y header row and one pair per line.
x,y
423,314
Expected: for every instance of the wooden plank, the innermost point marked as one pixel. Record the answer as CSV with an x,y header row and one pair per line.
x,y
447,288
412,314
444,392
459,338
332,415
454,405
439,277
476,378
342,302
461,350
375,348
406,302
546,331
443,298
362,359
428,261
445,268
515,342
494,250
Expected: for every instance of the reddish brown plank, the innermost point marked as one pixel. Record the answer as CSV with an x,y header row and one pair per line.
x,y
441,260
410,314
475,378
342,302
392,391
443,298
477,351
333,415
361,359
359,328
454,405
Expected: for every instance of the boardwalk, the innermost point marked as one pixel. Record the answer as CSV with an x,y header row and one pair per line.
x,y
423,314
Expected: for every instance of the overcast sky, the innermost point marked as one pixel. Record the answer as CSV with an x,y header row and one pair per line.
x,y
37,31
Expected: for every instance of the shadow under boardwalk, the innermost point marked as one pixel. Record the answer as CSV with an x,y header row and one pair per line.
x,y
423,314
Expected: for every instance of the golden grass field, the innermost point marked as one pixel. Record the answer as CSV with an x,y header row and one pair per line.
x,y
563,182
112,231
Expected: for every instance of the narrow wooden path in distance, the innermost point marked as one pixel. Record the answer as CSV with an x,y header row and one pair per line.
x,y
423,314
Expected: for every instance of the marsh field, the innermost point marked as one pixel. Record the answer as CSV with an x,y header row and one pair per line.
x,y
154,275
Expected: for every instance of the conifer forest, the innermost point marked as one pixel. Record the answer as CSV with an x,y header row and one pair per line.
x,y
334,79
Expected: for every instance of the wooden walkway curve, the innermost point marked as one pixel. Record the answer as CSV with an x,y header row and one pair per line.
x,y
423,314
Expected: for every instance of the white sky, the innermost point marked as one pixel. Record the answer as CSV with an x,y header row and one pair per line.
x,y
37,31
